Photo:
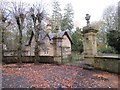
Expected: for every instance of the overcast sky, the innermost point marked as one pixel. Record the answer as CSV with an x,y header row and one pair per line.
x,y
81,7
94,7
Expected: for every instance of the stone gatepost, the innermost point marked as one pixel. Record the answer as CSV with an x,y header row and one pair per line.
x,y
89,42
57,48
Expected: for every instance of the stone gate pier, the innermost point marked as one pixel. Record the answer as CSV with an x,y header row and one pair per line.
x,y
89,43
108,62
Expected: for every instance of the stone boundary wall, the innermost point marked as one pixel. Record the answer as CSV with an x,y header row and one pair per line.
x,y
28,59
0,66
111,64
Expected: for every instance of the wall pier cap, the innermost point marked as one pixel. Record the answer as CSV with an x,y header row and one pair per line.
x,y
88,29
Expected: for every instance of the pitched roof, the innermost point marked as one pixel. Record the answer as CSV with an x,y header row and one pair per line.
x,y
51,35
68,35
43,34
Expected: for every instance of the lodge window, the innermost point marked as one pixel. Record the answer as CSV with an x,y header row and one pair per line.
x,y
46,52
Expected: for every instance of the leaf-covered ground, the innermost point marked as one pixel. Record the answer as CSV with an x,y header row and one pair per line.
x,y
53,76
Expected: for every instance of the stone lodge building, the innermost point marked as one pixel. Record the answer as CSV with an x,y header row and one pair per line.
x,y
51,44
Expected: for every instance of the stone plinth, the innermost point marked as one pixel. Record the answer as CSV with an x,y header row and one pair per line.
x,y
89,43
57,54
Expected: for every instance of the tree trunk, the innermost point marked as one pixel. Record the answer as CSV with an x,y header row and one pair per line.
x,y
36,45
36,53
3,30
20,46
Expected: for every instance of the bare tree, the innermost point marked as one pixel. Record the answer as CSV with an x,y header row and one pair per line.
x,y
4,23
37,15
18,12
110,18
